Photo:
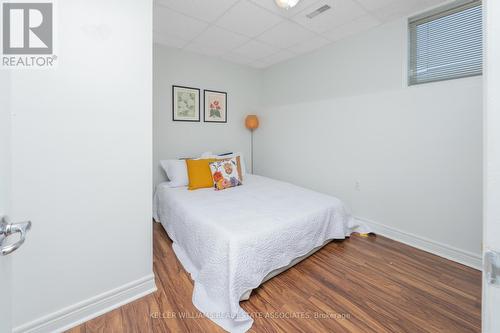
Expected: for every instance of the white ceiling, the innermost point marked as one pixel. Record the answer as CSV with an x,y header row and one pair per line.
x,y
259,34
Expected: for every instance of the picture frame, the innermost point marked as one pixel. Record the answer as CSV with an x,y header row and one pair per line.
x,y
185,104
214,106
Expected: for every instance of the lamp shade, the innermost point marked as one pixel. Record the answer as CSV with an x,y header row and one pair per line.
x,y
252,122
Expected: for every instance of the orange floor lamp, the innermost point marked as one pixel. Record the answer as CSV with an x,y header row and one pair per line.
x,y
252,123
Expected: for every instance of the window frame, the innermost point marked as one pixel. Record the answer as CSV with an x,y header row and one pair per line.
x,y
428,16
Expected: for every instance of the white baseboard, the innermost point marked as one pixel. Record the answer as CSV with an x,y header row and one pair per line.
x,y
91,308
443,250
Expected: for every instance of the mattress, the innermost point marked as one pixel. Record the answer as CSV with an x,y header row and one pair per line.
x,y
231,240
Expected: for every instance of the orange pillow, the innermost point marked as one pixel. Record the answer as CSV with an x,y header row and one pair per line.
x,y
199,173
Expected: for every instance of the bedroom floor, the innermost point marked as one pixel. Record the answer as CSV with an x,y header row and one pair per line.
x,y
358,285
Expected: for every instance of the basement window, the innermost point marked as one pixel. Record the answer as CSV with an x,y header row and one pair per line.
x,y
446,43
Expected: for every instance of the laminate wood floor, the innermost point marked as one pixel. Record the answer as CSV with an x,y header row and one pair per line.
x,y
360,284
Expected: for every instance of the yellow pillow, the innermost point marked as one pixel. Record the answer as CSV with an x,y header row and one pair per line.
x,y
199,173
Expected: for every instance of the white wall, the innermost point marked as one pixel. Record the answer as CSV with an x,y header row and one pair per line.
x,y
344,115
186,139
82,151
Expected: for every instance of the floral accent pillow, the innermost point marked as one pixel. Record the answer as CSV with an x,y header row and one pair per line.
x,y
226,173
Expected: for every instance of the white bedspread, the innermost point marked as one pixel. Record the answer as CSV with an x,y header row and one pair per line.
x,y
230,240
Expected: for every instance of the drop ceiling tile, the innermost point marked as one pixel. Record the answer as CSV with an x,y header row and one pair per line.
x,y
360,24
176,25
399,9
286,34
341,12
169,40
280,34
204,10
256,50
248,19
236,58
275,58
271,6
309,45
207,50
375,4
216,37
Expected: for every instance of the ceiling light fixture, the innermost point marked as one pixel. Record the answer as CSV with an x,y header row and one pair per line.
x,y
286,4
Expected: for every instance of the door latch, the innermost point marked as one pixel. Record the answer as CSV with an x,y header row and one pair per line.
x,y
492,267
7,229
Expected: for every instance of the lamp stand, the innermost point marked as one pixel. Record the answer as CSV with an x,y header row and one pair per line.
x,y
251,149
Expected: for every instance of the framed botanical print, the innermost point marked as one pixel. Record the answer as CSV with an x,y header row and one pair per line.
x,y
215,106
185,104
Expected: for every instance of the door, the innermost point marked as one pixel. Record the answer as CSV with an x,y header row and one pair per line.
x,y
5,158
12,236
81,153
491,239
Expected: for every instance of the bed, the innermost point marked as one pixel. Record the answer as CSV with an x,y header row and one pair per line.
x,y
233,240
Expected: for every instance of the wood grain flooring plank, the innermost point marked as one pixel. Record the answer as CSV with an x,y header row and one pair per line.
x,y
371,285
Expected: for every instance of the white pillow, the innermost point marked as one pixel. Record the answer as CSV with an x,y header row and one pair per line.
x,y
242,160
207,154
176,171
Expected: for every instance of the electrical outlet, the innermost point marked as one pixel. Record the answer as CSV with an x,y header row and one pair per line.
x,y
357,186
